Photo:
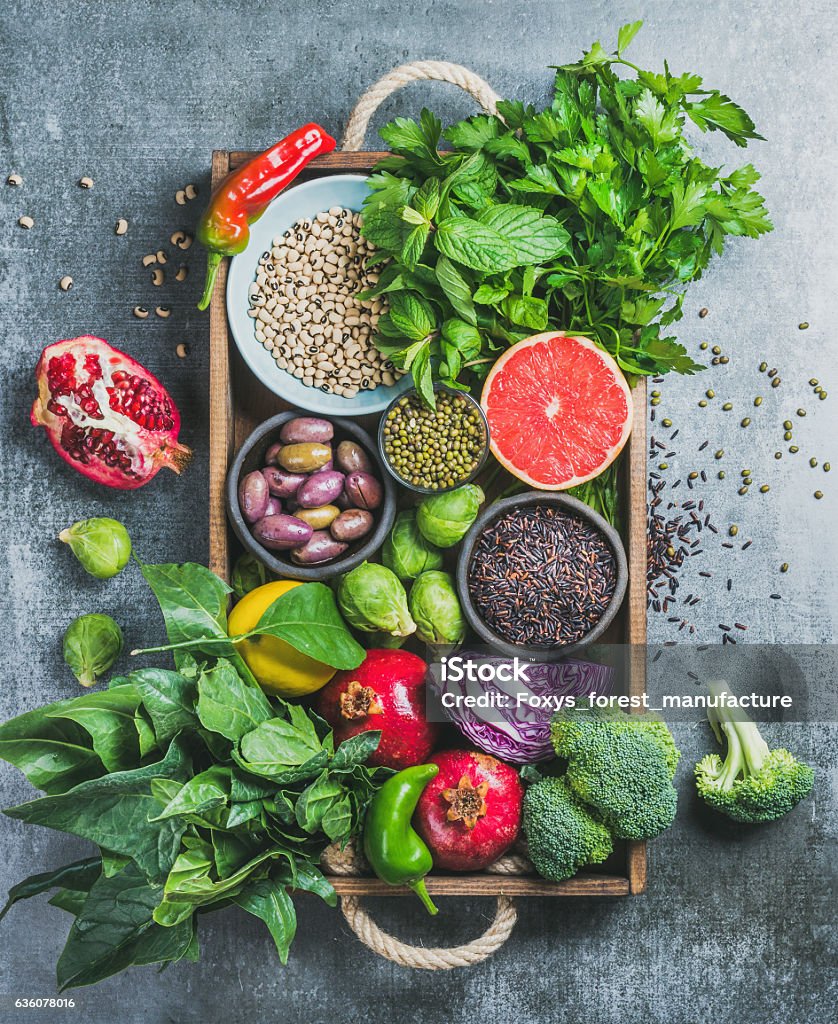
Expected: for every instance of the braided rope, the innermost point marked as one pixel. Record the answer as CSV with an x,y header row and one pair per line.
x,y
431,958
351,861
435,70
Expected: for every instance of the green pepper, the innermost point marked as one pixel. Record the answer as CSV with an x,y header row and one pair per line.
x,y
397,855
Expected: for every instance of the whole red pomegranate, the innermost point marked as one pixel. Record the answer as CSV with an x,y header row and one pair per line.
x,y
386,692
105,414
470,813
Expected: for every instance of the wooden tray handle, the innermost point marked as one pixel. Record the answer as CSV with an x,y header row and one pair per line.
x,y
351,861
437,70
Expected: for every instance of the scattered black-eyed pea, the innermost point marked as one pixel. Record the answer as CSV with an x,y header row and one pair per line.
x,y
149,260
121,227
182,351
157,277
140,312
26,222
66,283
181,239
163,312
180,197
191,192
86,182
14,179
162,256
181,273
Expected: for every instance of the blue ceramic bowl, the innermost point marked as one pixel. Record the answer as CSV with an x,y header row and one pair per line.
x,y
299,202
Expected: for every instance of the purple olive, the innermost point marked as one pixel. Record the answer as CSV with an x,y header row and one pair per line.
x,y
274,507
281,532
271,454
363,490
253,496
304,429
342,501
352,458
281,483
320,489
321,547
352,524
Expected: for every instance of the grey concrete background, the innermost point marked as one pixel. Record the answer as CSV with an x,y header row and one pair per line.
x,y
737,924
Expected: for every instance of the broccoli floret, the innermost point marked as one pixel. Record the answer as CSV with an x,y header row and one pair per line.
x,y
621,765
562,836
573,727
754,783
624,776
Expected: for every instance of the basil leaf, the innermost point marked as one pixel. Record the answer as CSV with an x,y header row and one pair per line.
x,y
456,289
115,929
269,901
307,617
228,705
474,245
81,874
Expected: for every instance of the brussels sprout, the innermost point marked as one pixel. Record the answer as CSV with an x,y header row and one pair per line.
x,y
372,598
101,545
406,551
436,609
248,574
444,519
92,644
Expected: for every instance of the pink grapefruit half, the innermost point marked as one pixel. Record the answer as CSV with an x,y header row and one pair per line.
x,y
559,410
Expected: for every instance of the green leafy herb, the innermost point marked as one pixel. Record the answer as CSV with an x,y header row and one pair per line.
x,y
589,216
198,789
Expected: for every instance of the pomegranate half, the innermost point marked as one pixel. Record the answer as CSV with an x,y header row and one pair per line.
x,y
106,414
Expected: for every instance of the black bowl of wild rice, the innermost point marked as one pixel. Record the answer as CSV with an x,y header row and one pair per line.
x,y
541,574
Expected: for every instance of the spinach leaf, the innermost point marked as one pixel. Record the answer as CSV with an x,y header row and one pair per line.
x,y
114,812
194,604
228,705
278,742
169,698
355,750
270,902
315,800
115,929
203,792
51,765
108,716
81,874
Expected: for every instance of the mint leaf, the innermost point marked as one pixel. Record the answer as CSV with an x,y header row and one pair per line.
x,y
533,237
411,315
474,245
456,289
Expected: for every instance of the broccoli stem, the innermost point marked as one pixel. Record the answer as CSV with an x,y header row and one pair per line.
x,y
746,749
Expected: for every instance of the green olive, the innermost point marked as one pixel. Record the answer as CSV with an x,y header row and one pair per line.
x,y
304,457
318,518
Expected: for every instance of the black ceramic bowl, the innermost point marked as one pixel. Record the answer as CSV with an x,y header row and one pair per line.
x,y
573,507
251,456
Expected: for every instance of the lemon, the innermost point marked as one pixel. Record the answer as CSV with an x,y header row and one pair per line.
x,y
279,667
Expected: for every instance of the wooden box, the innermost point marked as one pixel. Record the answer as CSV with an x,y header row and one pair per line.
x,y
238,402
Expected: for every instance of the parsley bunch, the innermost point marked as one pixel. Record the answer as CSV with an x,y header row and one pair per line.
x,y
590,216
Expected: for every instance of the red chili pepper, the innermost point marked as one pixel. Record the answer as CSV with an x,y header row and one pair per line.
x,y
244,195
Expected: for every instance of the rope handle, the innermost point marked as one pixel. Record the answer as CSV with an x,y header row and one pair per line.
x,y
431,958
419,70
351,861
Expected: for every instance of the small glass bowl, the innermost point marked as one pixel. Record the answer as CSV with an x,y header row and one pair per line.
x,y
416,488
